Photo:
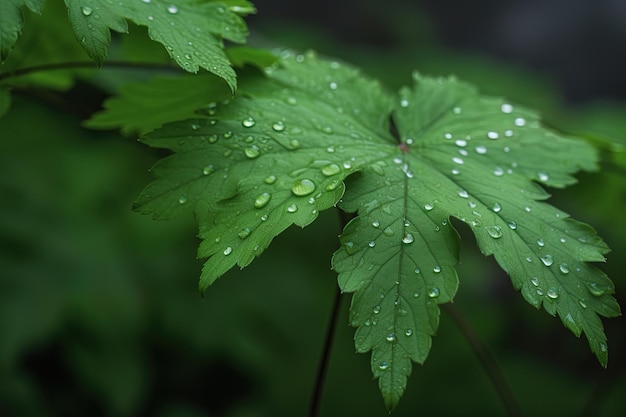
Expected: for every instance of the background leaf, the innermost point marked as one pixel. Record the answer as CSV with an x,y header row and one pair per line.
x,y
12,21
191,31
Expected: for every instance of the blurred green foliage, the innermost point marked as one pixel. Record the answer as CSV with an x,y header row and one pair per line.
x,y
99,309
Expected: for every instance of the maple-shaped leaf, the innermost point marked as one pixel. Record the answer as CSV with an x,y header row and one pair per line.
x,y
191,30
12,22
292,141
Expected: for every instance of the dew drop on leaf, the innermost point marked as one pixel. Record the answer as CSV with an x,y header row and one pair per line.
x,y
553,293
520,121
249,122
481,150
458,160
408,332
86,10
564,268
292,208
404,103
331,169
534,281
543,176
209,169
252,152
244,233
371,244
547,260
498,172
391,337
182,199
172,9
303,187
278,127
437,269
376,309
408,238
494,231
541,243
433,292
376,223
512,225
388,231
496,208
228,251
506,108
463,194
493,135
383,366
262,200
428,207
270,179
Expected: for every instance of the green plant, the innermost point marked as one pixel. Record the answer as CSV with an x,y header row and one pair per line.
x,y
291,135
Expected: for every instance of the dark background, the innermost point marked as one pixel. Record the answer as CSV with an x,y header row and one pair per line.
x,y
99,309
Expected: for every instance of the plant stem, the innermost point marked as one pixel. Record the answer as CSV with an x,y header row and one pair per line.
x,y
331,328
486,360
85,64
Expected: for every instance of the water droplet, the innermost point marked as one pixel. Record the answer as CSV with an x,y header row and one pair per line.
x,y
520,121
228,134
527,209
543,176
529,259
463,194
596,290
493,135
564,268
547,260
292,208
582,303
172,9
437,269
303,187
291,100
460,142
458,160
278,126
383,366
541,243
330,149
428,207
448,135
506,108
456,110
512,225
408,238
433,292
209,169
408,332
245,233
262,200
328,130
331,169
391,337
333,86
376,309
252,152
294,144
494,231
87,11
553,293
333,185
270,179
481,150
228,251
508,133
539,291
388,231
416,294
498,172
404,103
496,208
371,244
249,122
182,199
534,281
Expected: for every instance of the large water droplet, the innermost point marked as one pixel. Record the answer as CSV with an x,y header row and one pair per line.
x,y
376,223
494,231
408,238
433,292
553,293
86,10
249,122
564,268
331,169
437,269
496,207
252,152
303,187
547,260
262,200
383,366
278,126
428,207
172,9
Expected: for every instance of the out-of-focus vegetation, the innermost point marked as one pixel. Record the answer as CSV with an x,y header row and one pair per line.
x,y
99,309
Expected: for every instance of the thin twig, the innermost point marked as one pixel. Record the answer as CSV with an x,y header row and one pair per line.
x,y
487,361
86,64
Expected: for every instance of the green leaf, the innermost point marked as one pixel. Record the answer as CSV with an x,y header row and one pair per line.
x,y
145,106
12,21
191,31
280,151
5,101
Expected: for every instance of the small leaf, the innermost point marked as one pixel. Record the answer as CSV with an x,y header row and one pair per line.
x,y
12,21
191,32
